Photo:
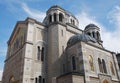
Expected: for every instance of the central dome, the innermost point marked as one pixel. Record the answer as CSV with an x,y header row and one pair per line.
x,y
91,26
80,37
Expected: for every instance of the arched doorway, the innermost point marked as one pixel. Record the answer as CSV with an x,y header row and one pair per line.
x,y
12,80
105,81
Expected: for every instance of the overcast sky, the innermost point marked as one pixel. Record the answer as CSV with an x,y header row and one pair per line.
x,y
104,13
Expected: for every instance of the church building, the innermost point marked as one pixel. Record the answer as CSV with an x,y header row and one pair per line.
x,y
58,51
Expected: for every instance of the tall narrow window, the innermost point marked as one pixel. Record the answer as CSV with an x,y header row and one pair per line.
x,y
43,80
24,38
104,66
55,17
93,33
38,54
112,69
50,18
36,80
73,63
100,65
62,32
73,22
60,17
91,62
40,78
42,54
62,48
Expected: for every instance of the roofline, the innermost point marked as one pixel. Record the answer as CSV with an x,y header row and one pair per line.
x,y
65,11
118,54
28,19
99,48
71,73
18,22
93,46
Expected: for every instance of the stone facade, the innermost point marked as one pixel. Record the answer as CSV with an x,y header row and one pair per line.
x,y
57,51
118,59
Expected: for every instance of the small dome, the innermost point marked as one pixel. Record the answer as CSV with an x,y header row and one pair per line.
x,y
80,37
91,26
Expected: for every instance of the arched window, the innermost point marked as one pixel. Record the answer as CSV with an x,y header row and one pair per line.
x,y
73,63
73,22
36,80
40,79
55,17
98,35
38,53
42,54
61,32
43,80
61,17
91,62
112,69
50,18
104,66
89,33
105,81
12,80
93,33
100,64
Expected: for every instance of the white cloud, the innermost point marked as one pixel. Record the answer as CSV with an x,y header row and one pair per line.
x,y
110,39
1,74
33,13
114,16
85,19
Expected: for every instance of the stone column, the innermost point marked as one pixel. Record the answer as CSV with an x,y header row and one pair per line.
x,y
96,37
57,17
91,34
52,18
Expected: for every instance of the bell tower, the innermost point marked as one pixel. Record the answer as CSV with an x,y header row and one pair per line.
x,y
55,21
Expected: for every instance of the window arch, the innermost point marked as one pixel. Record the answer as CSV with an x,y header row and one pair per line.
x,y
61,17
55,17
100,64
105,81
112,69
73,63
12,79
104,66
50,18
91,62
